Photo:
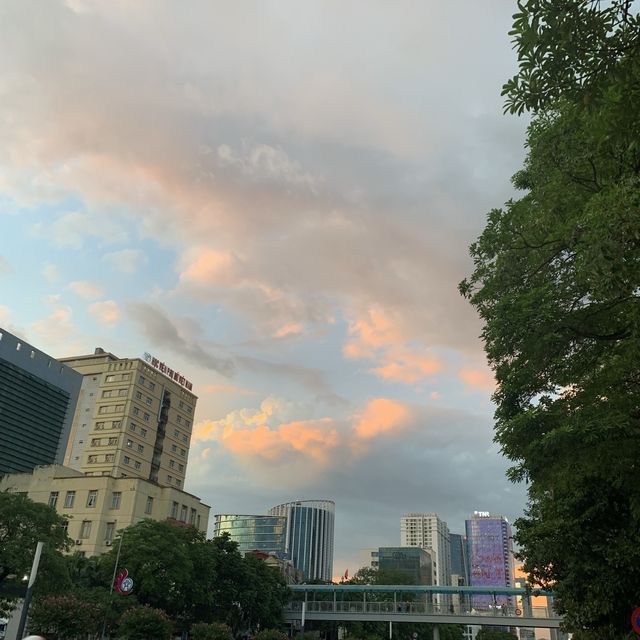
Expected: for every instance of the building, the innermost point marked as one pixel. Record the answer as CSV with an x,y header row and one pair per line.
x,y
459,560
133,419
290,574
309,536
254,533
416,563
428,531
98,507
38,398
490,556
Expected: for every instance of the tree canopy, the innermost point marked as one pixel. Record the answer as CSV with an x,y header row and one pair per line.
x,y
556,282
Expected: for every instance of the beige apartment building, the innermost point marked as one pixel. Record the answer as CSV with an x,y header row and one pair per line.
x,y
133,419
98,507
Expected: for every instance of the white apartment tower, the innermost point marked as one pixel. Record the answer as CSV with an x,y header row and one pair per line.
x,y
427,531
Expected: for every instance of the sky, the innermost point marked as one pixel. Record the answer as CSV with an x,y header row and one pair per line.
x,y
275,198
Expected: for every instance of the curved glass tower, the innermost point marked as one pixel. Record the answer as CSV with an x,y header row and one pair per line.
x,y
309,536
253,533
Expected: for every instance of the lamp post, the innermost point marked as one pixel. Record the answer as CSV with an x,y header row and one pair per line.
x,y
29,594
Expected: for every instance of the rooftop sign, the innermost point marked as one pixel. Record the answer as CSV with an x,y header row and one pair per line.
x,y
170,373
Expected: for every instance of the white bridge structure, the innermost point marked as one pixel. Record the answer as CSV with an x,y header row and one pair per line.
x,y
415,603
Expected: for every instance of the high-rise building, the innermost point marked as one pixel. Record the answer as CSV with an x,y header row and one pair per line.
x,y
309,536
99,507
38,398
133,419
459,560
254,533
490,555
428,531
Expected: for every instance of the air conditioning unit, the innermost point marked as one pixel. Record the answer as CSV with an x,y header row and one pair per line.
x,y
78,542
108,543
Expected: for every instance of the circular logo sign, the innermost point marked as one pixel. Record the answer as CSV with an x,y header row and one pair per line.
x,y
635,619
126,586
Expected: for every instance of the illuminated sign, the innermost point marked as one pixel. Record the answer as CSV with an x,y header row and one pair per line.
x,y
170,373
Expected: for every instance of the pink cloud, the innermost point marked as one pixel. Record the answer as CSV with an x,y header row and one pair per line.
x,y
223,388
381,416
478,379
408,366
106,312
208,267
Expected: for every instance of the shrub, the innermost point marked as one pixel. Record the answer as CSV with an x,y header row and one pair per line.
x,y
211,631
145,623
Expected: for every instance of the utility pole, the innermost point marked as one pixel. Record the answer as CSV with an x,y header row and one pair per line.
x,y
29,594
113,579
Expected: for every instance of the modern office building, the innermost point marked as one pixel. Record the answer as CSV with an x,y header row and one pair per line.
x,y
416,563
133,419
428,531
254,533
98,507
309,536
459,560
38,396
490,556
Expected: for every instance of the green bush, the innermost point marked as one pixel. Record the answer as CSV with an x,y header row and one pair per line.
x,y
65,618
211,631
271,634
145,623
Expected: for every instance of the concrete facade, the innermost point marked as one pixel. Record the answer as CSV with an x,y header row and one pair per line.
x,y
132,420
98,507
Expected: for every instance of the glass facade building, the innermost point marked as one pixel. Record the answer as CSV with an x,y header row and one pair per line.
x,y
309,536
414,562
459,559
490,556
254,533
38,397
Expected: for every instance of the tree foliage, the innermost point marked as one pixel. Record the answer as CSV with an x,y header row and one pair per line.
x,y
143,623
557,284
494,634
65,618
211,631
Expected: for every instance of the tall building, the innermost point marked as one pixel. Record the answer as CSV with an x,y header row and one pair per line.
x,y
38,398
427,531
133,419
459,560
254,533
309,536
490,555
98,507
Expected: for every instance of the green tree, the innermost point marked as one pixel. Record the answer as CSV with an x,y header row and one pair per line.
x,y
145,623
494,634
271,634
211,631
23,523
65,618
557,283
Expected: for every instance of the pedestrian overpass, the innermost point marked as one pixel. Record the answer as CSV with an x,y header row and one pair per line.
x,y
416,603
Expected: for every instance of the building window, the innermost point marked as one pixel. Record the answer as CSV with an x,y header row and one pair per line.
x,y
174,509
92,459
189,409
172,464
192,516
146,417
176,433
185,438
129,443
179,419
92,498
126,376
135,411
110,457
174,448
136,464
113,441
181,405
116,424
178,482
138,395
198,521
109,531
183,452
149,400
141,380
149,507
143,433
169,479
95,442
140,448
132,426
109,378
181,467
69,499
53,499
122,392
127,460
108,393
115,499
183,513
151,385
99,426
85,529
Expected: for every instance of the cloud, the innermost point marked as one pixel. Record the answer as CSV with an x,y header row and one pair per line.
x,y
478,379
126,260
57,331
70,230
5,267
86,289
106,312
223,388
381,416
51,273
